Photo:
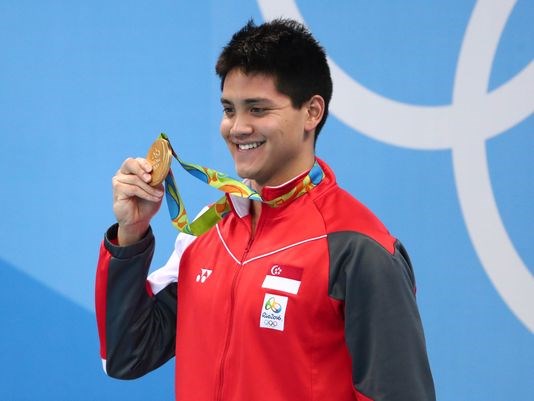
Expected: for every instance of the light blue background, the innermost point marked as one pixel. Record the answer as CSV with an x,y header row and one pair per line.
x,y
85,85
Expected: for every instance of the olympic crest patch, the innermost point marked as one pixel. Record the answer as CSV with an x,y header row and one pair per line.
x,y
273,312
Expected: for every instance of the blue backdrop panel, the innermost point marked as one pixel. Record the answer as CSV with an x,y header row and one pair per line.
x,y
48,350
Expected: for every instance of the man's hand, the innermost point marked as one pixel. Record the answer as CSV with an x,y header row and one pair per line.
x,y
135,202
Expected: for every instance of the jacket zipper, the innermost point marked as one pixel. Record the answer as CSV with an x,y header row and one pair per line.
x,y
231,320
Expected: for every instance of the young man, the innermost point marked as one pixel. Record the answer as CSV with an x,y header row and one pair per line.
x,y
305,296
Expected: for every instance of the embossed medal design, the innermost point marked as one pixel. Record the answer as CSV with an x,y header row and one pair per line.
x,y
160,156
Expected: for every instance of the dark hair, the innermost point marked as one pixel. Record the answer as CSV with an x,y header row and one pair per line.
x,y
286,50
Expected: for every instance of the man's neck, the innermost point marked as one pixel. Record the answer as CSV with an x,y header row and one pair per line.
x,y
255,207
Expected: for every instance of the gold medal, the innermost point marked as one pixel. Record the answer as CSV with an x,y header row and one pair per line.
x,y
160,156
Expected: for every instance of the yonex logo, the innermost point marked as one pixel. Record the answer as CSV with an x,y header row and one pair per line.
x,y
203,275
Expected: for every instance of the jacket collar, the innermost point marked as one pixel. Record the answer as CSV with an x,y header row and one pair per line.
x,y
241,206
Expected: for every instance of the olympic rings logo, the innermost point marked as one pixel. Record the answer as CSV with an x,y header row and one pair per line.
x,y
270,323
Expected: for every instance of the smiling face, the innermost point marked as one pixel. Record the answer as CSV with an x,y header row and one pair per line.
x,y
270,141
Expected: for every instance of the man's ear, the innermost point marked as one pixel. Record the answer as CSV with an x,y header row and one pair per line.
x,y
314,112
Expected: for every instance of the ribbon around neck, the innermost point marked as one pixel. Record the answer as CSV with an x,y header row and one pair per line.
x,y
229,185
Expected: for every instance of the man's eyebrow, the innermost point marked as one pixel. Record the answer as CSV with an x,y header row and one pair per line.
x,y
248,101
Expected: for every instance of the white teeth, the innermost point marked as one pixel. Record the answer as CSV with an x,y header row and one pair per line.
x,y
248,146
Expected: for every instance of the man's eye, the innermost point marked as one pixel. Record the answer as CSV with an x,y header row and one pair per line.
x,y
258,110
228,110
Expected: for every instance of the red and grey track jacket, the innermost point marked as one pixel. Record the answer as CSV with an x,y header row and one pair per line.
x,y
317,305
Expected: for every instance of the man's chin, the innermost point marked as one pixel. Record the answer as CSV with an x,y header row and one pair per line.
x,y
243,173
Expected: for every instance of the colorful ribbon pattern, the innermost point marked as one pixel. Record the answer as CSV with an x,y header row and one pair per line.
x,y
228,185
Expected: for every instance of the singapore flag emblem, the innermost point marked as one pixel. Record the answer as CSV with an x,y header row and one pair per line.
x,y
283,278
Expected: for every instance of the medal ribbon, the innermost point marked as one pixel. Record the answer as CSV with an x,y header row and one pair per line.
x,y
228,185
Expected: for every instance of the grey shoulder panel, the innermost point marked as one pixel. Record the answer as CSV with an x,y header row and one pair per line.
x,y
383,328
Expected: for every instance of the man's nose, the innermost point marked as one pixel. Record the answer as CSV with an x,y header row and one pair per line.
x,y
241,125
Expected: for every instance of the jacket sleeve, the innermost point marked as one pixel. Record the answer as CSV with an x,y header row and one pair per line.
x,y
137,329
383,328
